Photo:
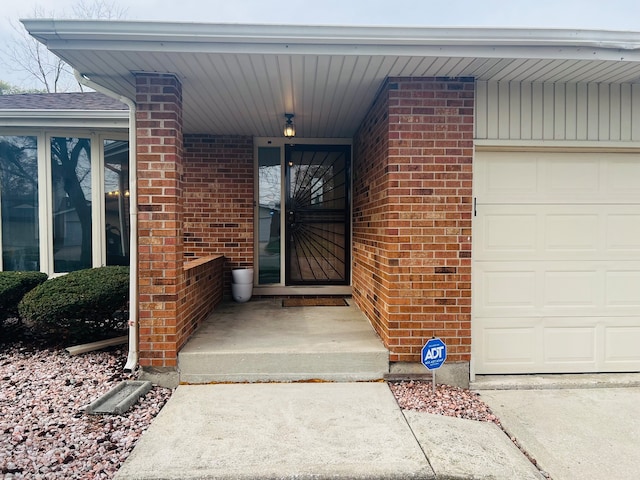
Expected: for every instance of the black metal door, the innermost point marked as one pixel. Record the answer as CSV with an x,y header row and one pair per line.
x,y
317,214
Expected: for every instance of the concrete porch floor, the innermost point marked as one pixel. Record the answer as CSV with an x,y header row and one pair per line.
x,y
262,341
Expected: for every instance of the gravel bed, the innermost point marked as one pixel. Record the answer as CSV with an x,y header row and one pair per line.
x,y
451,402
44,432
446,400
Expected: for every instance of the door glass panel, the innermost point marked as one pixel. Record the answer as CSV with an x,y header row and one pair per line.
x,y
317,215
71,193
19,200
269,194
116,204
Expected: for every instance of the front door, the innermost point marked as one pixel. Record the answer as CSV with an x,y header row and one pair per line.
x,y
317,209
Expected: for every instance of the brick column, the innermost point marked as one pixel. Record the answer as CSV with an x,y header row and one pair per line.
x,y
412,215
160,239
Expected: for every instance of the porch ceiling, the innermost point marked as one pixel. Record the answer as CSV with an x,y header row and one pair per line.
x,y
241,79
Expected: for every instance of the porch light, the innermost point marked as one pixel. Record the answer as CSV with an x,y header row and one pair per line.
x,y
289,127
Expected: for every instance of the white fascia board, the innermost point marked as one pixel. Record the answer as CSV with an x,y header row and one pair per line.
x,y
320,34
164,36
472,51
110,119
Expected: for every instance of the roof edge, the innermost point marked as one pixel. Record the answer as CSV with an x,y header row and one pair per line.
x,y
51,30
55,113
118,119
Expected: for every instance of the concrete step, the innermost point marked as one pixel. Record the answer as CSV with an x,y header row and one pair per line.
x,y
282,367
260,341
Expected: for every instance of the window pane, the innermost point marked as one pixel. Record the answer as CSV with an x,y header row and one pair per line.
x,y
116,188
19,200
71,187
269,189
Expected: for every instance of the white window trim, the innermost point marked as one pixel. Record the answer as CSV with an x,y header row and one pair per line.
x,y
45,204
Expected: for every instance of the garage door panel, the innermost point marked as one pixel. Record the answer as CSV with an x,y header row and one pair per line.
x,y
558,345
556,232
500,177
623,232
621,345
570,288
531,345
571,232
509,232
507,346
620,179
564,182
507,290
539,178
622,288
556,262
572,347
575,289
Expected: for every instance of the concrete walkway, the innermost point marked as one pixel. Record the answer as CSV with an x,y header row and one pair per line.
x,y
315,431
575,433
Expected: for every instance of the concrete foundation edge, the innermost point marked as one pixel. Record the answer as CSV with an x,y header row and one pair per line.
x,y
167,377
455,374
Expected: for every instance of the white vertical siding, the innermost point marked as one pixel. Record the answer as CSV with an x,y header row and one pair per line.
x,y
557,111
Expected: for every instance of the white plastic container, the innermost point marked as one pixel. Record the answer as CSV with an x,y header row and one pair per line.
x,y
241,292
242,275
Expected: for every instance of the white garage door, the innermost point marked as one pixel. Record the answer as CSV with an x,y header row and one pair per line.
x,y
556,262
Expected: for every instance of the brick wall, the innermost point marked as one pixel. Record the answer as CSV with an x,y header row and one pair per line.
x,y
412,215
371,216
160,250
218,200
203,286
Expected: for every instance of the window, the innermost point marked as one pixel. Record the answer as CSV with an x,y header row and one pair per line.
x,y
19,202
269,193
71,197
116,201
64,207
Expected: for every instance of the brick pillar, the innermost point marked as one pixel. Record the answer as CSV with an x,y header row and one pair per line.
x,y
160,243
412,215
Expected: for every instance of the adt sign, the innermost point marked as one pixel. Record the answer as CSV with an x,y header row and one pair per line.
x,y
434,353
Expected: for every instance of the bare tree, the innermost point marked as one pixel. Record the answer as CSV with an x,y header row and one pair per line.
x,y
98,9
41,68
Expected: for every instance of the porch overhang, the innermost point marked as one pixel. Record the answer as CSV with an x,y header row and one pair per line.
x,y
241,79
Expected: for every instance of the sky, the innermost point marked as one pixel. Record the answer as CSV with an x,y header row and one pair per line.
x,y
623,15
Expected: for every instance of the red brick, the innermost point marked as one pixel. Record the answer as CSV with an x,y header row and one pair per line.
x,y
409,210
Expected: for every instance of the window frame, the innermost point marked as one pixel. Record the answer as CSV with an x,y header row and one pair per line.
x,y
45,203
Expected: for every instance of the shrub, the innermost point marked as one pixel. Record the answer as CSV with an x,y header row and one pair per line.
x,y
79,306
13,286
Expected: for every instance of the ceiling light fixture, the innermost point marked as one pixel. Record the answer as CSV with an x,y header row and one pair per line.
x,y
289,127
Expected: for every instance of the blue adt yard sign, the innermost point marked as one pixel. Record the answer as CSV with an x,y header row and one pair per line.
x,y
434,353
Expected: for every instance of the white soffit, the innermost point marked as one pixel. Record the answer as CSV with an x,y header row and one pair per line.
x,y
241,79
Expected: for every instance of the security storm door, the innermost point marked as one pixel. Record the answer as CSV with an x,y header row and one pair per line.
x,y
317,222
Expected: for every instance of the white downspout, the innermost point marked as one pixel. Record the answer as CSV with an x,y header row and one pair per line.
x,y
132,359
